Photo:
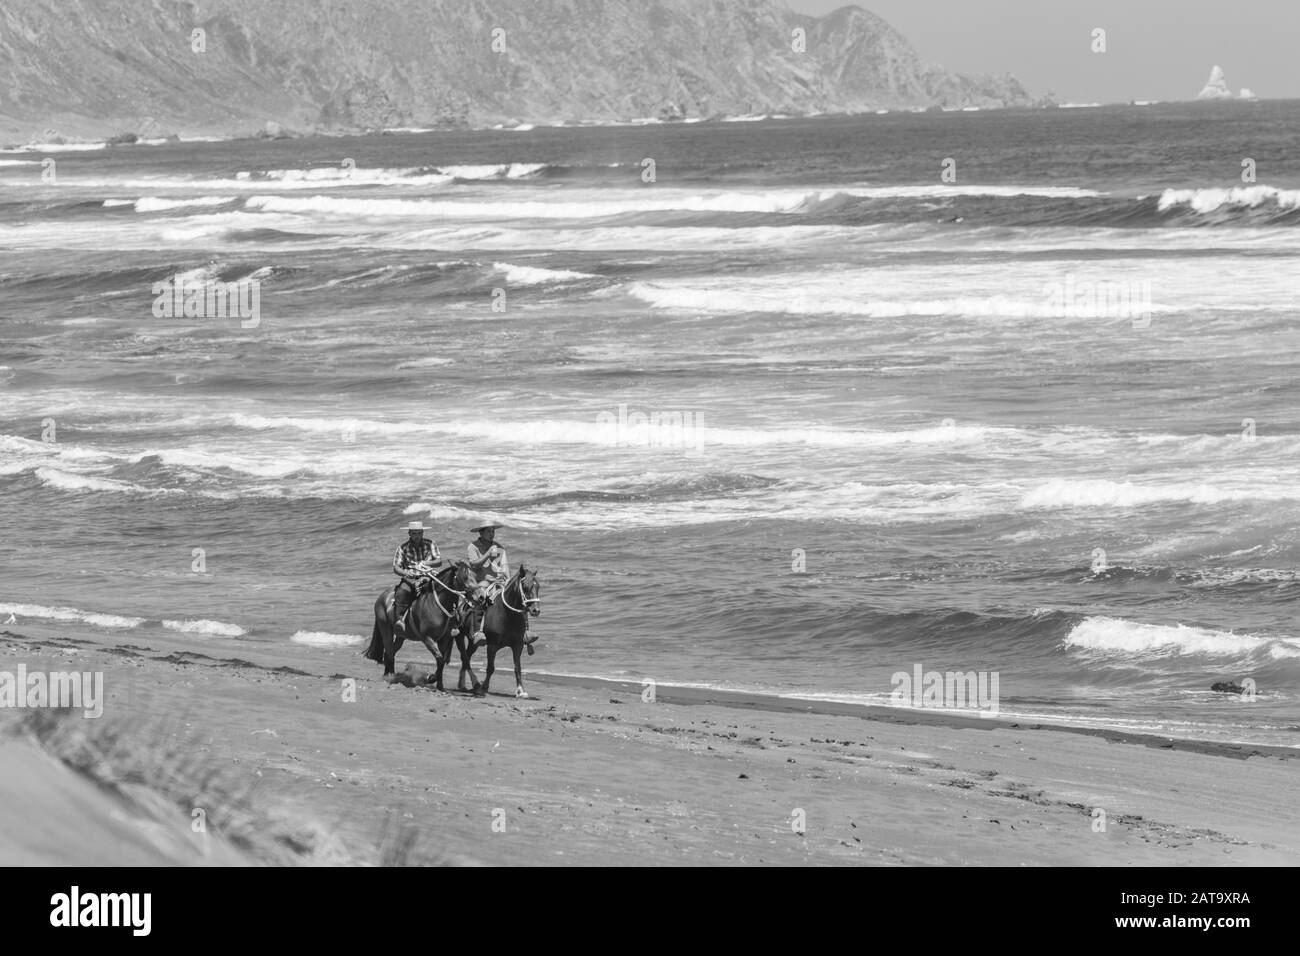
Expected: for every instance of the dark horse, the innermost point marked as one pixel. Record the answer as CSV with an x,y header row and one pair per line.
x,y
431,619
505,624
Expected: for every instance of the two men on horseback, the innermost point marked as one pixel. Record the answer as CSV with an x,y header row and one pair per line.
x,y
490,602
417,558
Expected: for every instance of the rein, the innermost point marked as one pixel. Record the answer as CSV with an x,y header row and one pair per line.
x,y
448,587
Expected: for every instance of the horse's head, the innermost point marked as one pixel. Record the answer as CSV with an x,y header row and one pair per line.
x,y
531,588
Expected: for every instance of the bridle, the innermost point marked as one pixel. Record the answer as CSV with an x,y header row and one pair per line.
x,y
524,599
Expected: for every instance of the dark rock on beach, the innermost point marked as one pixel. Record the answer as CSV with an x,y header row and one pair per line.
x,y
1228,687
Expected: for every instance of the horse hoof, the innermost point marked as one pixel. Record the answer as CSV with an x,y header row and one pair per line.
x,y
521,694
530,650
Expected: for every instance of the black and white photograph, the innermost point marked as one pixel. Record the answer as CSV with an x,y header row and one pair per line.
x,y
650,433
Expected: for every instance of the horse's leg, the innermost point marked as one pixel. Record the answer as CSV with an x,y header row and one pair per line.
x,y
427,640
464,661
444,648
418,626
440,656
470,647
491,666
391,647
517,647
466,667
432,645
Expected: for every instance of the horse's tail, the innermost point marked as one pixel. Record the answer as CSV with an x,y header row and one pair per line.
x,y
375,652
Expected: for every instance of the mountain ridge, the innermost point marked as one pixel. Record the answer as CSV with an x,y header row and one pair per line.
x,y
99,67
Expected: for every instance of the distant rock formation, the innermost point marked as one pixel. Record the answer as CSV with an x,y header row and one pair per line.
x,y
1227,687
222,67
1216,88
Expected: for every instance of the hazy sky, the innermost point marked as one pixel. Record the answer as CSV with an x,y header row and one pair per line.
x,y
1156,49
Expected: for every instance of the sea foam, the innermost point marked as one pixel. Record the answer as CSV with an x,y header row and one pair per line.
x,y
1116,635
211,628
71,615
325,639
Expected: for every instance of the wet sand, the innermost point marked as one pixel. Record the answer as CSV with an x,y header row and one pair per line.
x,y
325,762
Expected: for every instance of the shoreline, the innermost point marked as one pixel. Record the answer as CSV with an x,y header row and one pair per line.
x,y
919,716
74,141
325,763
290,657
296,654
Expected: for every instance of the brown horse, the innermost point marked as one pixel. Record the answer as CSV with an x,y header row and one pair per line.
x,y
505,624
431,619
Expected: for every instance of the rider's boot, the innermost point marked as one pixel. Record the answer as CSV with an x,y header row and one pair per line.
x,y
403,601
476,619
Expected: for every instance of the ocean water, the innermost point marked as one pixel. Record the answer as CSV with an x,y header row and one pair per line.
x,y
1042,421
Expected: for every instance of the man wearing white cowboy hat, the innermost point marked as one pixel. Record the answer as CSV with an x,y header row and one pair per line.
x,y
415,559
489,572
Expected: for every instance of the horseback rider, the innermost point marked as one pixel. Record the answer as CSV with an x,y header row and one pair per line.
x,y
416,559
488,574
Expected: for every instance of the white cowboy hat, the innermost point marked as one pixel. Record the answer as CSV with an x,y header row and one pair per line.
x,y
486,524
417,526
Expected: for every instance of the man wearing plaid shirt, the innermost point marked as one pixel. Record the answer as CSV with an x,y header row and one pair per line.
x,y
415,559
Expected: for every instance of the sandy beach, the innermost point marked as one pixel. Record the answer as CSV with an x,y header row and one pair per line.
x,y
294,764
